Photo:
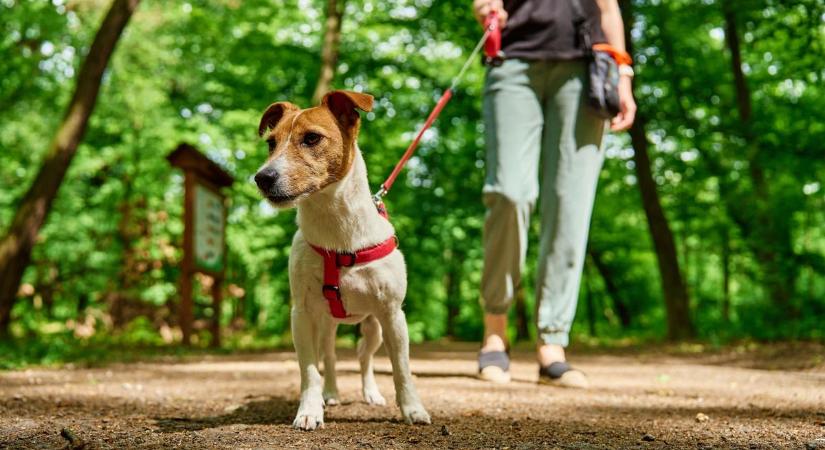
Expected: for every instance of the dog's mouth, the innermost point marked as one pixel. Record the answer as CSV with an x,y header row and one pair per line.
x,y
287,199
281,198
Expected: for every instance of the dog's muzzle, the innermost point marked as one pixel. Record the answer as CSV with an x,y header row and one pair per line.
x,y
266,179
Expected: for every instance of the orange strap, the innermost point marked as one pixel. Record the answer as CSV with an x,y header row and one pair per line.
x,y
621,58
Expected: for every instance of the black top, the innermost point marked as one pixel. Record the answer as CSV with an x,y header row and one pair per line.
x,y
545,29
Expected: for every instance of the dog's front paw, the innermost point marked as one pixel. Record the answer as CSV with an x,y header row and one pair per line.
x,y
415,414
373,397
308,422
309,417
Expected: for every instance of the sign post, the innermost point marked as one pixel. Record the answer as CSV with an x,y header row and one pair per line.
x,y
204,243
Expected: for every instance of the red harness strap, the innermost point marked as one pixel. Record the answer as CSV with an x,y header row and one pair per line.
x,y
333,261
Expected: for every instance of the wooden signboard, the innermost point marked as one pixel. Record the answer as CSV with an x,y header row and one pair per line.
x,y
210,218
204,243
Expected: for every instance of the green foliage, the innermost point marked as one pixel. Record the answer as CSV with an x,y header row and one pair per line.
x,y
203,71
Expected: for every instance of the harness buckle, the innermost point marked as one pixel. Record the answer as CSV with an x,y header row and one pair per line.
x,y
338,261
332,288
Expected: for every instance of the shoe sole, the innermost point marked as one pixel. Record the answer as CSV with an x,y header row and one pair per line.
x,y
494,375
572,379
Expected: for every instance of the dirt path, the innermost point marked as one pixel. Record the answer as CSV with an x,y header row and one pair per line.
x,y
249,402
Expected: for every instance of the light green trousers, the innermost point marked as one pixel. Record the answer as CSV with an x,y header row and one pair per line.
x,y
536,111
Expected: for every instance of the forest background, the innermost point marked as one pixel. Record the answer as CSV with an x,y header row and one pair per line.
x,y
708,224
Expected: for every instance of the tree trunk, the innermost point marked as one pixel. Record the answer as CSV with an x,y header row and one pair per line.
x,y
329,51
83,301
743,95
767,239
16,246
770,239
452,285
215,323
588,295
522,321
610,286
45,282
726,274
677,302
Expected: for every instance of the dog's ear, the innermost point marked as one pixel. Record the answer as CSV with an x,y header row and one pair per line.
x,y
273,115
343,105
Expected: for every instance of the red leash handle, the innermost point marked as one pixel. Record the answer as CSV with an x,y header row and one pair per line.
x,y
492,47
448,94
493,55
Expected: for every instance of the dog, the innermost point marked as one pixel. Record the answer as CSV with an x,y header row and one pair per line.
x,y
315,165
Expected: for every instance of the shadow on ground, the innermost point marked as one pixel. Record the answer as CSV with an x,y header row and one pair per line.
x,y
271,411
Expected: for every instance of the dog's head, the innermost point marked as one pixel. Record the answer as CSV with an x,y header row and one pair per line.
x,y
309,149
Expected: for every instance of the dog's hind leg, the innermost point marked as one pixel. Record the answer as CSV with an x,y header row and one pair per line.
x,y
328,333
367,346
305,336
397,341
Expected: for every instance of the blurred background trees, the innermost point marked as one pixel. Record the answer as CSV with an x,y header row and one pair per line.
x,y
16,246
731,127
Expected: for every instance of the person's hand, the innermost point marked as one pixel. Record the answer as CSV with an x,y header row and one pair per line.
x,y
627,114
481,8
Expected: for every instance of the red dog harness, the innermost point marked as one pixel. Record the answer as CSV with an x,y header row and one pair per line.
x,y
335,260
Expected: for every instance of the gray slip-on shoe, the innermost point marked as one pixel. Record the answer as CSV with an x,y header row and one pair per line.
x,y
494,366
561,374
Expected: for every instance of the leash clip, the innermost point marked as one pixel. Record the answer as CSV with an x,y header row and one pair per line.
x,y
382,191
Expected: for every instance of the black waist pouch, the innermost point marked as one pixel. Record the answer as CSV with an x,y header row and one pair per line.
x,y
603,72
603,84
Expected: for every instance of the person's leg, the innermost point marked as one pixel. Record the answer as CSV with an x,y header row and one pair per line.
x,y
495,332
572,160
513,121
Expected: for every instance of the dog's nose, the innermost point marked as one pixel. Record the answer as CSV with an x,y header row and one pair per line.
x,y
265,179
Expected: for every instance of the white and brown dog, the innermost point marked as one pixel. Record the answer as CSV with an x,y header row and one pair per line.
x,y
344,266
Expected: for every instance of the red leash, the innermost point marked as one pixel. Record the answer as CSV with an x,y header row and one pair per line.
x,y
491,40
442,102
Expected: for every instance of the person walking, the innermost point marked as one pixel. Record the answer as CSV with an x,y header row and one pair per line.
x,y
535,108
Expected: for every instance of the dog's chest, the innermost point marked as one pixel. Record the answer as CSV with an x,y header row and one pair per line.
x,y
365,288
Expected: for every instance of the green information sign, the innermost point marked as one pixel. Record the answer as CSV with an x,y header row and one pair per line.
x,y
210,220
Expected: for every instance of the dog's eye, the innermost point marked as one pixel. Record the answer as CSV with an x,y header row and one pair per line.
x,y
312,139
272,143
